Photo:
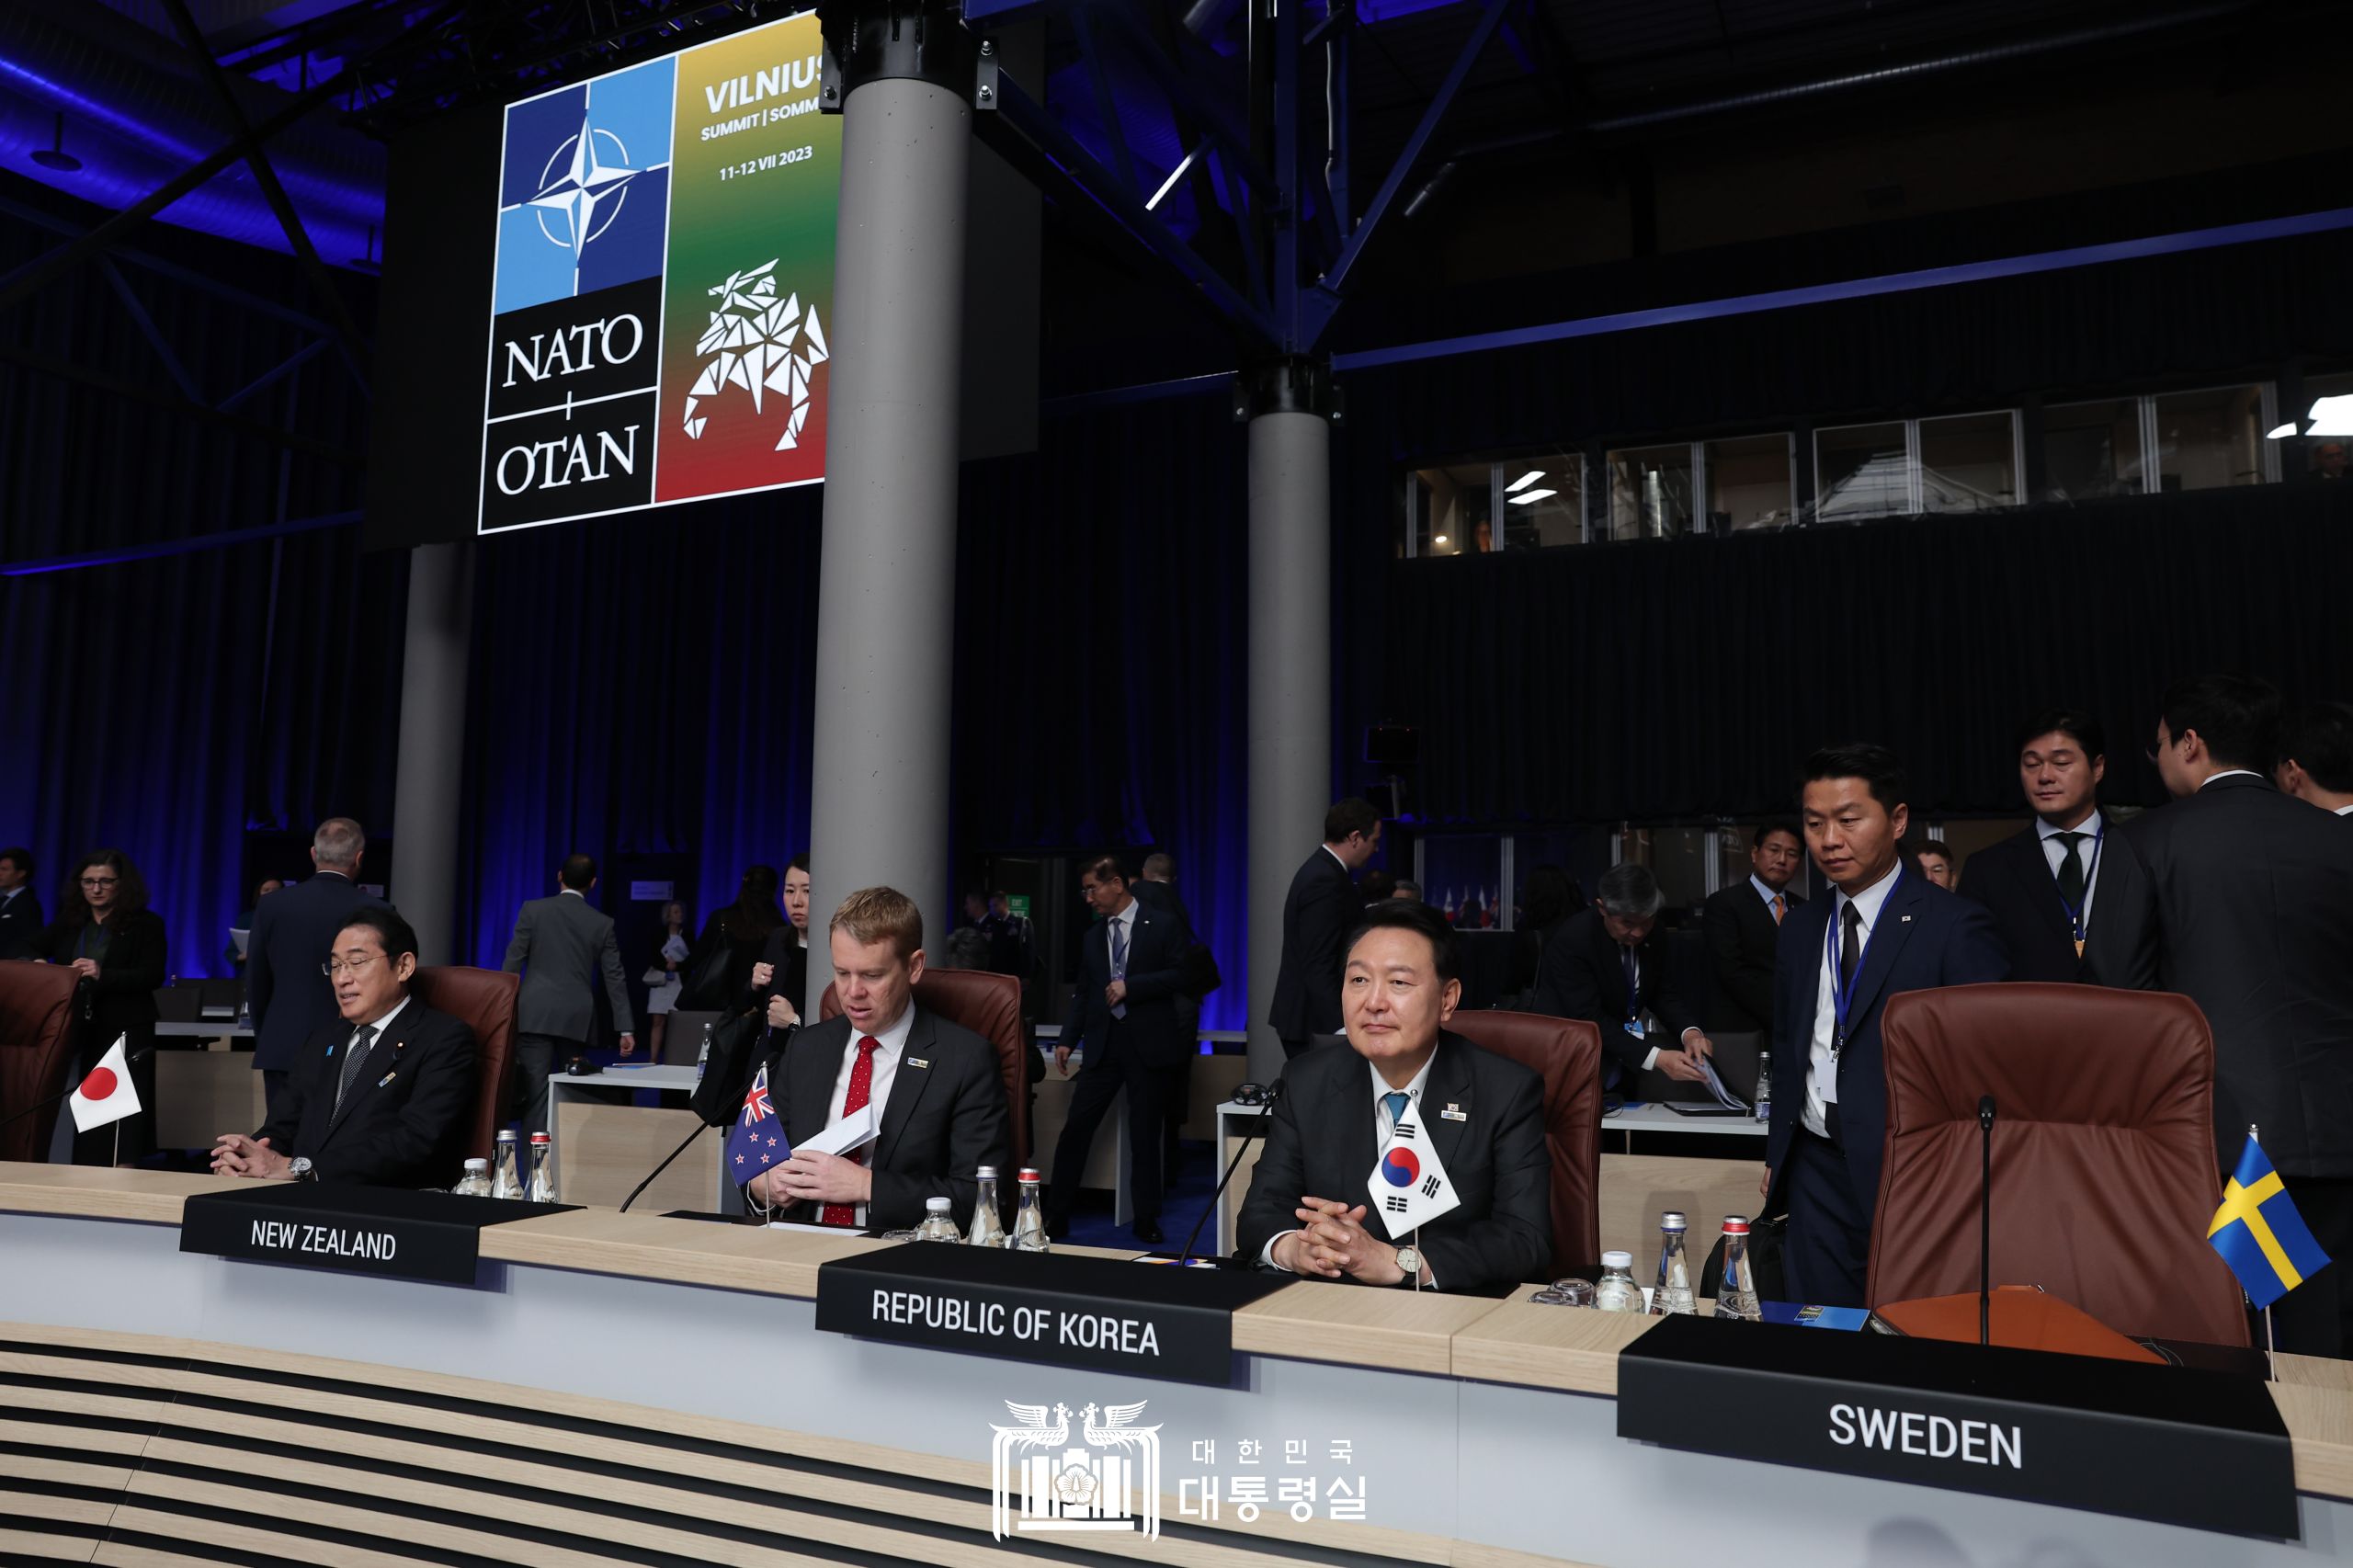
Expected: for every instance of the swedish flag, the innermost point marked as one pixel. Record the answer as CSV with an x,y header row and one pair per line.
x,y
2259,1234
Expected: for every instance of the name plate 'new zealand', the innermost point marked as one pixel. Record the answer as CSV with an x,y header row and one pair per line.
x,y
2178,1445
359,1230
1070,1312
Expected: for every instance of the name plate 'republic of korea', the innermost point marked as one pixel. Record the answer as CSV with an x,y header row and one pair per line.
x,y
357,1229
2179,1445
1151,1321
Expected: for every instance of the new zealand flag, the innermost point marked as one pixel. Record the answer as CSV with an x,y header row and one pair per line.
x,y
757,1140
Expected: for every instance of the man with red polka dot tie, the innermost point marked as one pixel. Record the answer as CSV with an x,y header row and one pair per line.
x,y
934,1090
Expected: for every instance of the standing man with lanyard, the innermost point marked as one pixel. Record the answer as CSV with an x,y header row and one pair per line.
x,y
1879,933
2039,885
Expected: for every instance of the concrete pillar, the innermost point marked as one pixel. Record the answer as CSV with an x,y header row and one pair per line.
x,y
887,585
1291,658
426,783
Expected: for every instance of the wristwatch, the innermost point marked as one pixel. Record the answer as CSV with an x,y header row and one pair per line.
x,y
301,1170
1410,1260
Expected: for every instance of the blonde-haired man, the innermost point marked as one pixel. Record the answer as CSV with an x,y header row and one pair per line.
x,y
933,1085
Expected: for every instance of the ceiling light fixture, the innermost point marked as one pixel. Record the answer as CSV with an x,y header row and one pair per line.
x,y
1523,500
1523,481
2281,432
2331,417
1440,539
55,156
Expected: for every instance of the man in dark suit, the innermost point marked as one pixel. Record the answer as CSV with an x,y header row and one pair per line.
x,y
2039,885
2316,756
1743,925
1157,889
937,1084
1318,914
293,931
1882,929
2241,898
1307,1210
1608,964
382,1094
1124,1013
559,945
20,918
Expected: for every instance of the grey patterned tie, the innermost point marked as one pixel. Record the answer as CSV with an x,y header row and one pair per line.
x,y
353,1055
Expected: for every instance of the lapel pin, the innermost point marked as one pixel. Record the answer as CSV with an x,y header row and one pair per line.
x,y
1907,920
1450,1114
388,1077
918,1061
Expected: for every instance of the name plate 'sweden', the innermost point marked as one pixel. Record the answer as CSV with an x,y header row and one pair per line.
x,y
1074,1312
360,1229
2179,1445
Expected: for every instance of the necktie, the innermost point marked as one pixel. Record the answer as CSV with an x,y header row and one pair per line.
x,y
1633,979
1397,1104
2071,868
353,1055
1119,961
861,1092
1780,907
1850,946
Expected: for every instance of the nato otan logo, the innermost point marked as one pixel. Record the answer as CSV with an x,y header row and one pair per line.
x,y
1062,1487
582,189
758,343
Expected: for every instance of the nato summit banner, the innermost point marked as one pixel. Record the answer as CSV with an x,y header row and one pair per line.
x,y
663,283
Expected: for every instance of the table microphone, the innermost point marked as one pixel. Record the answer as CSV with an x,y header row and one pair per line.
x,y
1274,1092
1985,1221
67,1092
701,1127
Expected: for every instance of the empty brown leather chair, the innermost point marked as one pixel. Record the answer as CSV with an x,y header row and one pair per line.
x,y
1566,1053
35,1053
990,1005
2104,1177
483,1000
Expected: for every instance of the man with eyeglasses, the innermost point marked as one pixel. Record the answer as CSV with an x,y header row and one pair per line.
x,y
289,939
379,1097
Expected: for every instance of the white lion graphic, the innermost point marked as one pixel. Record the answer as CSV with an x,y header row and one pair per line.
x,y
757,343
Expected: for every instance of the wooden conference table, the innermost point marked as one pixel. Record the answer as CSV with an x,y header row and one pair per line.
x,y
635,1388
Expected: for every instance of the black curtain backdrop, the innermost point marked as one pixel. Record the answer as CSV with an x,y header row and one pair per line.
x,y
1689,678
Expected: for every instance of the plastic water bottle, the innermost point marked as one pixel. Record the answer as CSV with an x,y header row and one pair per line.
x,y
938,1223
1030,1221
477,1181
1764,1107
988,1230
502,1180
1616,1291
542,1169
702,1057
1673,1292
1736,1292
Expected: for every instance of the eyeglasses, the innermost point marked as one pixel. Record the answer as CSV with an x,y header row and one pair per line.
x,y
101,881
335,967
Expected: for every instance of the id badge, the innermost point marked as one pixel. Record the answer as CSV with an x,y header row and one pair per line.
x,y
1634,1028
1829,1084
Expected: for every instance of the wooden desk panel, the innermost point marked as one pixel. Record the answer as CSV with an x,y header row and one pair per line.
x,y
603,1151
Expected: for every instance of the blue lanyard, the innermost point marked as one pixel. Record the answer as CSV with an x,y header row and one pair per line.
x,y
1634,964
1842,993
2076,916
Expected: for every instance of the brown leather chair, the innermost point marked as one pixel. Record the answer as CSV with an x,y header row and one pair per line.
x,y
483,1000
990,1005
1566,1053
2104,1171
35,1053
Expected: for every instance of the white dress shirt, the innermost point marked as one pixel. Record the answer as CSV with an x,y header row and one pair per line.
x,y
2229,772
1382,1125
1822,1078
2344,811
381,1025
2055,853
889,1046
1767,894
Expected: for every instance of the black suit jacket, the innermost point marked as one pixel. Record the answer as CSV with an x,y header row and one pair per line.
x,y
946,1117
1924,938
294,930
2241,898
1582,975
1155,974
1320,1143
404,1123
21,924
2013,880
788,968
1318,913
123,999
1743,937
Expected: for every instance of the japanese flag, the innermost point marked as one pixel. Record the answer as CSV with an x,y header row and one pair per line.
x,y
105,1094
1408,1185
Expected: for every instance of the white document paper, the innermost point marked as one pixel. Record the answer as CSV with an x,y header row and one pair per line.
x,y
1724,1097
846,1136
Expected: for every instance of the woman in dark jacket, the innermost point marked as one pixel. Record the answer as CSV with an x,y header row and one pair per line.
x,y
745,925
106,934
782,973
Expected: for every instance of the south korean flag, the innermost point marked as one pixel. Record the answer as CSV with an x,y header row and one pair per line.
x,y
1408,1184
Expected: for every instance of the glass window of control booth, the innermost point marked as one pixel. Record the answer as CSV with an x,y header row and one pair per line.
x,y
2092,449
1969,462
1732,841
1677,856
1463,876
1451,510
1861,471
1544,500
1751,482
2213,438
2325,453
1651,492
